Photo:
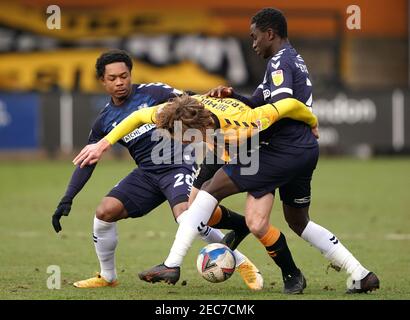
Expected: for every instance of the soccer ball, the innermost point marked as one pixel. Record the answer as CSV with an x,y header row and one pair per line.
x,y
216,262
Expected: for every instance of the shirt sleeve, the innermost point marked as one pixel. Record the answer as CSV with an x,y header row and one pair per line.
x,y
96,133
264,116
254,101
130,123
78,180
80,176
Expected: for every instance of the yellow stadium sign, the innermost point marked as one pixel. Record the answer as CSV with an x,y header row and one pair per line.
x,y
74,69
115,21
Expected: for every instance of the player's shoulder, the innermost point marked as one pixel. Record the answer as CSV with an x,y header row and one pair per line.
x,y
154,88
102,116
285,57
106,109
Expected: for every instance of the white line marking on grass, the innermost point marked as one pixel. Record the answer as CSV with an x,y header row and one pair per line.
x,y
397,236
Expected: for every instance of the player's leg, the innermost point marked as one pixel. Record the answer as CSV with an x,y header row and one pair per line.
x,y
197,216
133,197
296,201
222,217
105,238
171,275
258,219
360,279
228,180
176,185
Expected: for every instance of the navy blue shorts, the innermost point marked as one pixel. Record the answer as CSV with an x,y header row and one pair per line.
x,y
144,190
288,168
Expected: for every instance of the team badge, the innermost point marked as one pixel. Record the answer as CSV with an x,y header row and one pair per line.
x,y
277,77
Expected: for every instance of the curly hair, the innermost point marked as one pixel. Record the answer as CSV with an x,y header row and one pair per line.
x,y
112,56
271,18
189,111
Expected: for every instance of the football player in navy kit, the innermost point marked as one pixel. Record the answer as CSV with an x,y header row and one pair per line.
x,y
287,158
147,186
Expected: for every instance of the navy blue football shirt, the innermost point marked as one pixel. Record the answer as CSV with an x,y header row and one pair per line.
x,y
286,76
141,142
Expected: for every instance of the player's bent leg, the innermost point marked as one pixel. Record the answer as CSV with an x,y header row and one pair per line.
x,y
161,273
258,216
195,217
105,240
360,279
224,218
220,186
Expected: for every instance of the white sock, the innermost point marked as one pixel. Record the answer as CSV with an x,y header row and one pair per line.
x,y
211,235
327,243
190,223
105,241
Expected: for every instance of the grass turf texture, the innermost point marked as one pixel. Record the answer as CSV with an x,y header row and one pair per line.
x,y
365,203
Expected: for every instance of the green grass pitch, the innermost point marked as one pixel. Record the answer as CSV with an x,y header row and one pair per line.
x,y
365,203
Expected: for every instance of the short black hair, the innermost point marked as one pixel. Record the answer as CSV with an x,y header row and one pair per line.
x,y
271,18
112,56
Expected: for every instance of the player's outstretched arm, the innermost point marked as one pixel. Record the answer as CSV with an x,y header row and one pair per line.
x,y
63,209
133,121
291,108
78,180
296,110
91,153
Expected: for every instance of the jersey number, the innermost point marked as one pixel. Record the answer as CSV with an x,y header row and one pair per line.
x,y
189,179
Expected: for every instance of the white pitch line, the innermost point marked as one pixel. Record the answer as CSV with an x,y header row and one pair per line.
x,y
397,236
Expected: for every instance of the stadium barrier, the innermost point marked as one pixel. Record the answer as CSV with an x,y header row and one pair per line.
x,y
350,123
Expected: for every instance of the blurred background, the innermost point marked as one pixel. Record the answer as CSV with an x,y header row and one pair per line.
x,y
49,95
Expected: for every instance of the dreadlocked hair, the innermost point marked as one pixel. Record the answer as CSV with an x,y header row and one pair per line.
x,y
188,111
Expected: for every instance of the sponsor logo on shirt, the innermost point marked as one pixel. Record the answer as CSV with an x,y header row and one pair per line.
x,y
266,94
138,132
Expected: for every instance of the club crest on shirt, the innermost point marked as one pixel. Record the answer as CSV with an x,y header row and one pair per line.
x,y
277,77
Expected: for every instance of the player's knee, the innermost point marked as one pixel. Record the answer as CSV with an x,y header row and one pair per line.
x,y
220,186
297,227
109,211
297,218
180,208
209,187
103,213
256,224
